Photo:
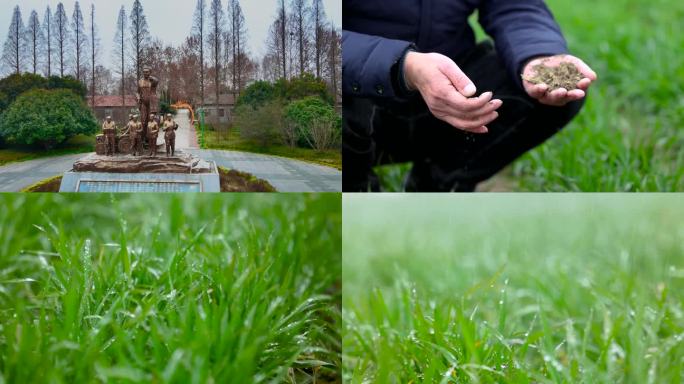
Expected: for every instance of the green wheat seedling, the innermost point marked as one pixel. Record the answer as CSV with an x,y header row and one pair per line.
x,y
169,290
514,289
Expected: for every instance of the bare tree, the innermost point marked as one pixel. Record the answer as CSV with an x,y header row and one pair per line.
x,y
80,41
61,33
270,67
300,31
320,32
238,36
198,32
140,36
277,41
13,52
120,52
34,36
216,20
47,26
335,61
104,81
94,42
282,19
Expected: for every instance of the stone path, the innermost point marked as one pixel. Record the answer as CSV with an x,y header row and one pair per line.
x,y
186,137
16,176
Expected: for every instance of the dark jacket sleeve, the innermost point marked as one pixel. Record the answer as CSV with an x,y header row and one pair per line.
x,y
521,29
367,63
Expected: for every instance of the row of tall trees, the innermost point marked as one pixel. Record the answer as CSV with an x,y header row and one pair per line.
x,y
302,40
224,34
214,59
55,46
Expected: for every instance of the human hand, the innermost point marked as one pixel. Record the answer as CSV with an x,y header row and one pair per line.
x,y
448,92
561,96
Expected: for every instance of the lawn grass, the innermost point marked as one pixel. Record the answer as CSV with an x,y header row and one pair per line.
x,y
181,289
513,289
629,136
77,144
233,141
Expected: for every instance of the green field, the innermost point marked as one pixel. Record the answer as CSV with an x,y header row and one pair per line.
x,y
630,135
513,289
172,289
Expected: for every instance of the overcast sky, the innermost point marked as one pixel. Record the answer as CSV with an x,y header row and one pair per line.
x,y
169,20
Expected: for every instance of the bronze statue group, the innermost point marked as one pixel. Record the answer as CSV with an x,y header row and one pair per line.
x,y
137,130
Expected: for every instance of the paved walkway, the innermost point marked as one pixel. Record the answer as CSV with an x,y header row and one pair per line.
x,y
16,176
286,175
186,137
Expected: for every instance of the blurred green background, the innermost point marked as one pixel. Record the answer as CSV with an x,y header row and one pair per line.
x,y
514,288
629,136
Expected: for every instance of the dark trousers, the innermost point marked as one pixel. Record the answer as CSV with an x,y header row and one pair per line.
x,y
377,132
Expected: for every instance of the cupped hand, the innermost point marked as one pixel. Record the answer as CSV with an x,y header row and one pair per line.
x,y
561,96
448,92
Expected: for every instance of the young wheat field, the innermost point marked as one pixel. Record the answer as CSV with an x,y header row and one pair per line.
x,y
170,289
513,289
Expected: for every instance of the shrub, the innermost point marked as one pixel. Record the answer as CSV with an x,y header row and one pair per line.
x,y
257,94
67,82
14,85
165,107
261,125
313,121
46,118
302,87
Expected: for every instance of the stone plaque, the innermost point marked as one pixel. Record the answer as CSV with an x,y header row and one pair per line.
x,y
137,186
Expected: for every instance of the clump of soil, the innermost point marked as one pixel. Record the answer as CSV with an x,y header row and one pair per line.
x,y
565,75
236,181
50,185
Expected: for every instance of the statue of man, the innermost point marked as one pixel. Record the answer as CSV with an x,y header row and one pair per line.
x,y
170,128
109,131
152,134
147,97
136,132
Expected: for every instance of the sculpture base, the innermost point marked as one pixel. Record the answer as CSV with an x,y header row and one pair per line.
x,y
179,163
183,172
139,182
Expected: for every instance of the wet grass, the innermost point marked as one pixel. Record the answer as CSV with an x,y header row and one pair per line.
x,y
513,289
180,289
629,136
